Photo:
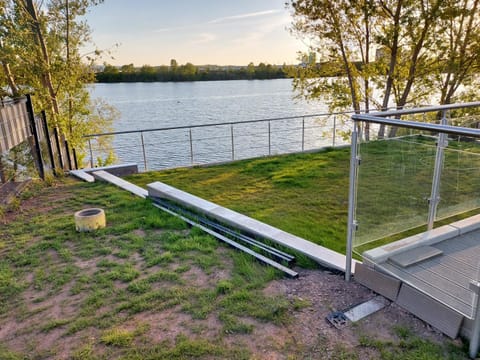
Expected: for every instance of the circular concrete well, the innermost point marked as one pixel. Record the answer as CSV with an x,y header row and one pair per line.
x,y
89,219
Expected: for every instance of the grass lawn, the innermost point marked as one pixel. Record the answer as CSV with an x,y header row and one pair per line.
x,y
307,194
149,287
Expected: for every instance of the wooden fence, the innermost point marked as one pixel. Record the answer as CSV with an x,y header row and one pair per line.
x,y
19,124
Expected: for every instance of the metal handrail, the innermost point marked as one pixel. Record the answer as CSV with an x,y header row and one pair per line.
x,y
420,110
448,129
217,124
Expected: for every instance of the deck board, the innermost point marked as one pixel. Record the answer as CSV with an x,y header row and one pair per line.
x,y
445,277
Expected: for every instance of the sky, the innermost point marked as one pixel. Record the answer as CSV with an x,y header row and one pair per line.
x,y
220,32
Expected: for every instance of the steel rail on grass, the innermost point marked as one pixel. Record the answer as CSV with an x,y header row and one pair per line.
x,y
202,225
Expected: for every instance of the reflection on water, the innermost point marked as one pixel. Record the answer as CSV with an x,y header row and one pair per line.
x,y
156,105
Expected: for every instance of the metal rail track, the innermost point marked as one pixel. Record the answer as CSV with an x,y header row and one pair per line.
x,y
223,233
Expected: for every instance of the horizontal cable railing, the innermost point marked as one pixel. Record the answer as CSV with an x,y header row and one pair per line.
x,y
167,147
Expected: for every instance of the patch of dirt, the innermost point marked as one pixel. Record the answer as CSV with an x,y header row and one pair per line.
x,y
307,335
327,292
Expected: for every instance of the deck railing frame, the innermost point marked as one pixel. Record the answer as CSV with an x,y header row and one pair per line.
x,y
383,118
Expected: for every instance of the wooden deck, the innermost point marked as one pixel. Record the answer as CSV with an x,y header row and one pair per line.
x,y
445,277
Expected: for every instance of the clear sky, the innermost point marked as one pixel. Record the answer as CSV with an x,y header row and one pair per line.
x,y
221,32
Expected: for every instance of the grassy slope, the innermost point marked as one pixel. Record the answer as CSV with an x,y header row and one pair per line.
x,y
305,194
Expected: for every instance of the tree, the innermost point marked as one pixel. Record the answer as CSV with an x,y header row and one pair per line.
x,y
40,54
419,46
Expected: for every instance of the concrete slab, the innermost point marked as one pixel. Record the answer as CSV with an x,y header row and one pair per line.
x,y
82,175
117,170
431,237
382,284
365,309
436,314
322,255
414,256
134,189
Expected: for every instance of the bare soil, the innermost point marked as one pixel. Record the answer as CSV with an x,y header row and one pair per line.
x,y
308,335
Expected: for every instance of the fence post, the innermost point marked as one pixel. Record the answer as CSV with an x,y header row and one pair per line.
x,y
33,126
437,173
75,161
303,133
233,143
49,140
191,146
143,150
269,140
69,159
3,178
59,148
91,153
352,194
334,129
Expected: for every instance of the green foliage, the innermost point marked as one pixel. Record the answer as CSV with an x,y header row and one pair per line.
x,y
190,72
387,53
40,53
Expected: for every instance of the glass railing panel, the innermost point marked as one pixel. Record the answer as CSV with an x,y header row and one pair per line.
x,y
394,184
460,177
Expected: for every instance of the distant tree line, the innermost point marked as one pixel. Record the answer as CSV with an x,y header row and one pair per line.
x,y
190,72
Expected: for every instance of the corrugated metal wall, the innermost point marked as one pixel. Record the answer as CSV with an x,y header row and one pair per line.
x,y
14,124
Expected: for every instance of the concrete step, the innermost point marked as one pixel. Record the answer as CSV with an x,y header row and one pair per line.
x,y
416,255
112,179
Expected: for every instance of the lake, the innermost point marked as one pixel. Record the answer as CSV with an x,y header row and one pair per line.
x,y
157,105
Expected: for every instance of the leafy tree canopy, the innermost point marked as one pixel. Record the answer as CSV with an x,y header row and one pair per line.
x,y
391,52
40,44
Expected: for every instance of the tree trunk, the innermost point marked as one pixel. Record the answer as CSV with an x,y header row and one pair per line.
x,y
393,63
40,40
8,74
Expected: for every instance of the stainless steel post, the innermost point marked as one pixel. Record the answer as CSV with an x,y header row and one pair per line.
x,y
269,140
352,200
475,338
143,150
303,134
191,145
437,173
233,143
91,153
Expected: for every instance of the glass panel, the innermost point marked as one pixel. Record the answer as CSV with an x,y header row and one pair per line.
x,y
460,179
394,184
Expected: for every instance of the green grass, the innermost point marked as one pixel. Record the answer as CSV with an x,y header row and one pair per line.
x,y
145,261
307,194
96,291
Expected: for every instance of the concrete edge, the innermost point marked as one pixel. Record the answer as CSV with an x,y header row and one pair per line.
x,y
328,258
431,237
82,175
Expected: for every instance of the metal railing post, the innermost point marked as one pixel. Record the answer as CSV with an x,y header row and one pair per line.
x,y
352,195
437,173
191,145
334,129
92,164
233,143
269,140
475,337
303,133
144,153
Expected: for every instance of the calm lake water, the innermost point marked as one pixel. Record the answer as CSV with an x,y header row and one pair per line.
x,y
157,105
